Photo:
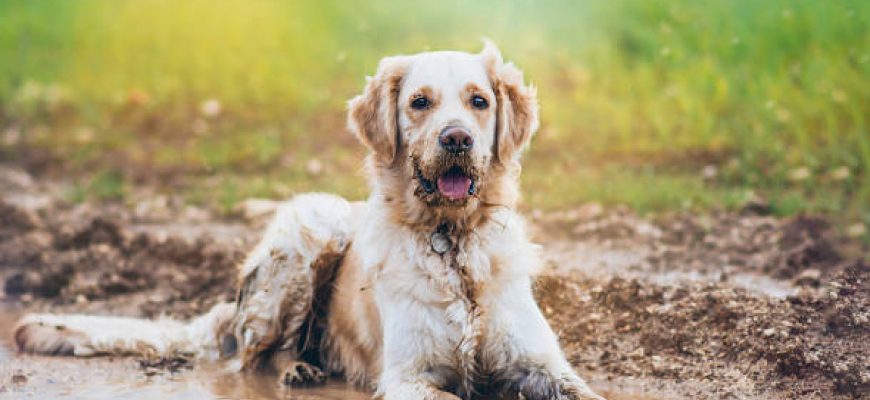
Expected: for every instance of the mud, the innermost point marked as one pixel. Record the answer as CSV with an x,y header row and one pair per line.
x,y
722,305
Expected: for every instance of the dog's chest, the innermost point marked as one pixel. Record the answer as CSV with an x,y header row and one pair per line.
x,y
446,296
457,269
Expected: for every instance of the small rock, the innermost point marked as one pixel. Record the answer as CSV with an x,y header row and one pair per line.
x,y
808,277
18,378
81,299
768,332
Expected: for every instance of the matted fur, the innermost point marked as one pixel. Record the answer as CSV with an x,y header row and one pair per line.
x,y
359,289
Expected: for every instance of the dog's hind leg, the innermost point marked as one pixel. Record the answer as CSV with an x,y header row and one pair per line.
x,y
299,252
279,293
86,335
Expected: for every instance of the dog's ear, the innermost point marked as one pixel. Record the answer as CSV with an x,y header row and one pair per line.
x,y
517,112
373,115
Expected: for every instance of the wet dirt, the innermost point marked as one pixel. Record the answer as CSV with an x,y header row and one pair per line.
x,y
721,305
39,377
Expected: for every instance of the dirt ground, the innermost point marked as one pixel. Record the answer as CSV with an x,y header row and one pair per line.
x,y
721,305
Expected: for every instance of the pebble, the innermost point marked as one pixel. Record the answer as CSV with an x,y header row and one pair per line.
x,y
808,277
18,378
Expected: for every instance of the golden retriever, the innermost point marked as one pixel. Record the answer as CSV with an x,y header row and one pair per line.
x,y
422,292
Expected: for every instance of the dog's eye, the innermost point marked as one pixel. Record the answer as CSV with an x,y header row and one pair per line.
x,y
479,102
420,103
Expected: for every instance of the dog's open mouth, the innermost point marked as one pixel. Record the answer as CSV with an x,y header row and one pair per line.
x,y
453,184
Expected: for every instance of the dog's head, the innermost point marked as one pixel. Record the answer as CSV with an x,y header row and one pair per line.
x,y
445,126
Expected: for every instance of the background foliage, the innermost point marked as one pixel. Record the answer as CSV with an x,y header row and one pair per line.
x,y
658,104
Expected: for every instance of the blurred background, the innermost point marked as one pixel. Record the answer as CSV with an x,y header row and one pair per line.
x,y
657,105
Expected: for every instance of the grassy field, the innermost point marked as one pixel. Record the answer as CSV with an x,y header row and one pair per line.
x,y
659,105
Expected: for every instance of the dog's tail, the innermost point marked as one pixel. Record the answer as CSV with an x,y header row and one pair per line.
x,y
86,335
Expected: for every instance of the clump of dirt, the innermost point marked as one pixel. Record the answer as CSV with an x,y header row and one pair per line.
x,y
171,364
780,248
815,342
67,258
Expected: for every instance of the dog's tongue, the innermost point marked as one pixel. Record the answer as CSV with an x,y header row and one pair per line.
x,y
454,185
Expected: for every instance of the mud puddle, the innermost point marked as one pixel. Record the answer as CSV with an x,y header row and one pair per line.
x,y
39,377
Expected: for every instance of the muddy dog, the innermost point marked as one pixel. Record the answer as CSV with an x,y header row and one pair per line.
x,y
424,291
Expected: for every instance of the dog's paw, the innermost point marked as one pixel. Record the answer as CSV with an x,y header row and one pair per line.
x,y
299,373
39,334
577,391
415,391
539,384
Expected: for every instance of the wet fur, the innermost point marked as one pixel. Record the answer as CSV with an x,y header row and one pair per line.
x,y
357,290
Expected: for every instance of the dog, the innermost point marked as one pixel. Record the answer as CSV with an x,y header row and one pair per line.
x,y
424,291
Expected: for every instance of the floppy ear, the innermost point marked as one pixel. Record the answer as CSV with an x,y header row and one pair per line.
x,y
517,112
372,116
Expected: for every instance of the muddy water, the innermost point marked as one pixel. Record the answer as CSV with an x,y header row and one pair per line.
x,y
39,377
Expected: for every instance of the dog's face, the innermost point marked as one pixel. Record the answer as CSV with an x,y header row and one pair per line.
x,y
446,118
443,121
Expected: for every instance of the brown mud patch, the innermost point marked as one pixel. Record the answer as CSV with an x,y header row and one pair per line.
x,y
722,305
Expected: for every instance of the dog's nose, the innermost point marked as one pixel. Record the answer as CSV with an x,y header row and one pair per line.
x,y
455,139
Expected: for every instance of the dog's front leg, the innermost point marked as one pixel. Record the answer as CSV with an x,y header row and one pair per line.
x,y
413,391
414,343
534,365
408,380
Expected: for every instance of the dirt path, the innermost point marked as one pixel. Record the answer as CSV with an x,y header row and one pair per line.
x,y
722,305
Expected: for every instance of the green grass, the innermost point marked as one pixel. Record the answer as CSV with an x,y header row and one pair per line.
x,y
637,96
